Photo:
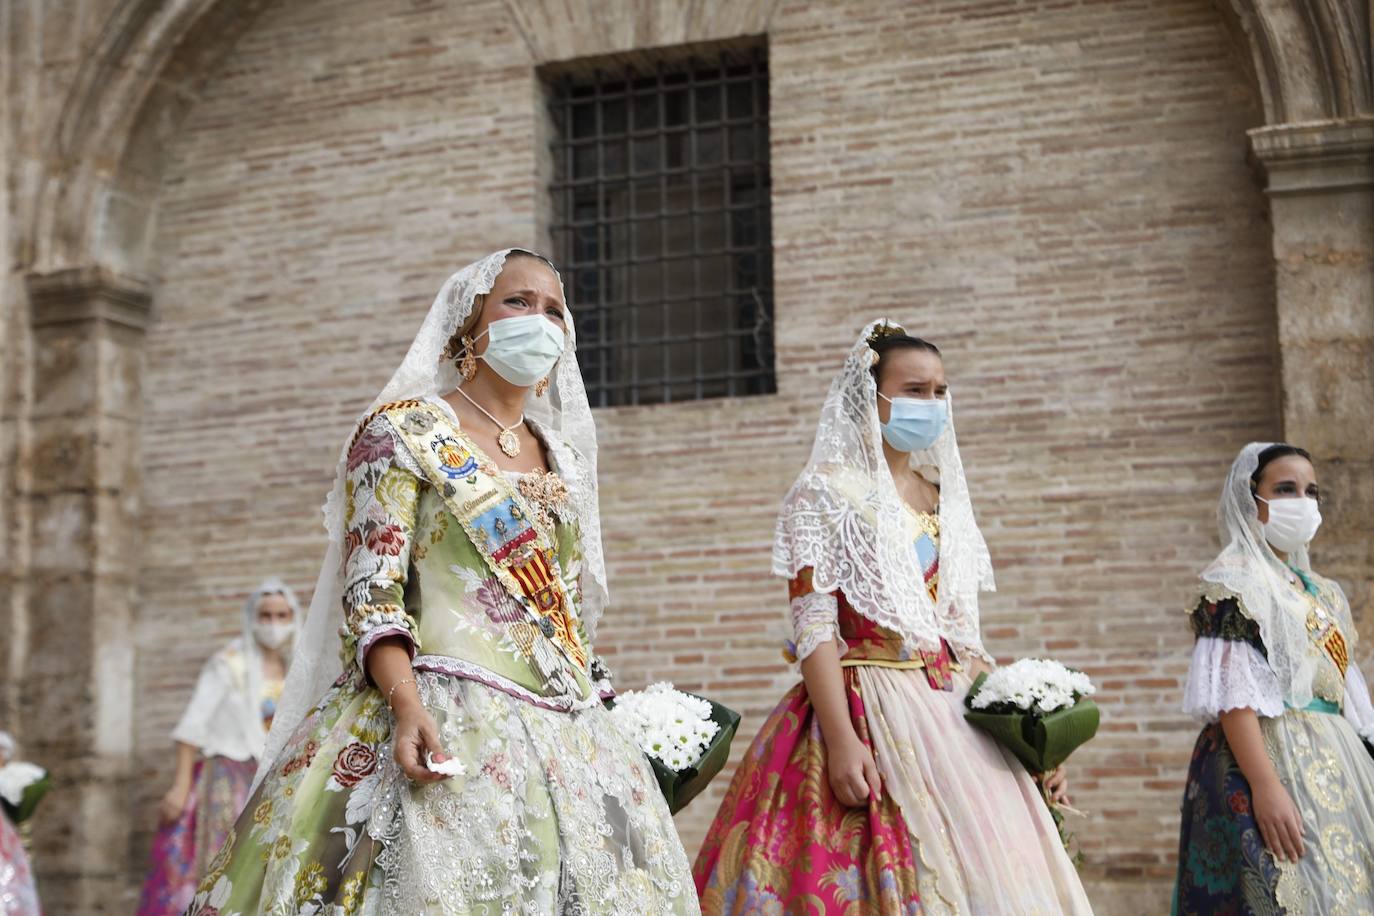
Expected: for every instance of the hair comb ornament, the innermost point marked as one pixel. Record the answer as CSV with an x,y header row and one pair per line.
x,y
884,331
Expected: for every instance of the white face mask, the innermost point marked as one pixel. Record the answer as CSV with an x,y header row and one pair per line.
x,y
1292,522
523,349
273,635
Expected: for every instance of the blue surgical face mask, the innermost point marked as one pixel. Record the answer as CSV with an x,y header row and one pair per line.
x,y
914,424
523,349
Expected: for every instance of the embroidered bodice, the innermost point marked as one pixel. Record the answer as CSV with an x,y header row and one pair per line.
x,y
477,570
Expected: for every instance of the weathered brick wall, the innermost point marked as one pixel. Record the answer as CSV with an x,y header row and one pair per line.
x,y
1057,194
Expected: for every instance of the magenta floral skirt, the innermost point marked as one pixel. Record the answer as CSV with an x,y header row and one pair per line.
x,y
783,844
182,849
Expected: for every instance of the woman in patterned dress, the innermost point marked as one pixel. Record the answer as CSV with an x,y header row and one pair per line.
x,y
1278,813
219,741
865,791
461,760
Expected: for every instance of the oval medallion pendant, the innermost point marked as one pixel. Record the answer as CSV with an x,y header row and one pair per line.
x,y
509,442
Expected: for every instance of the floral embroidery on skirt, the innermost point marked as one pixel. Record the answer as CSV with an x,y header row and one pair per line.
x,y
555,813
782,843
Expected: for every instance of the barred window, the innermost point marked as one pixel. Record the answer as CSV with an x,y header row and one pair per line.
x,y
660,192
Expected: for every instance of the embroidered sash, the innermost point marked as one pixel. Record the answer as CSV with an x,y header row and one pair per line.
x,y
494,515
1322,626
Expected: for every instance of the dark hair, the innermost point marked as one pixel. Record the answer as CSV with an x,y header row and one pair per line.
x,y
885,340
1271,454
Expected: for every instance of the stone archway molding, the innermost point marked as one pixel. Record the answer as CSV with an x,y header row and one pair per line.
x,y
1311,58
129,92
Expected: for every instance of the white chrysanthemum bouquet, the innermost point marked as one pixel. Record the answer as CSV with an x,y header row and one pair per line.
x,y
1039,710
685,737
22,784
1036,708
1036,685
673,726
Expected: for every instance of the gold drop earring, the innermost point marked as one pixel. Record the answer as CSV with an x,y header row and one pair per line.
x,y
541,386
467,363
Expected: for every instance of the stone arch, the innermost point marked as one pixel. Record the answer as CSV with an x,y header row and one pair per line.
x,y
1311,60
94,206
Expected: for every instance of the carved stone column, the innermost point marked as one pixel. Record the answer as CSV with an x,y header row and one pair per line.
x,y
1321,190
88,328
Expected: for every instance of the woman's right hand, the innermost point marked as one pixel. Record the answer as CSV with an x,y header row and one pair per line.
x,y
416,737
173,803
853,773
1280,823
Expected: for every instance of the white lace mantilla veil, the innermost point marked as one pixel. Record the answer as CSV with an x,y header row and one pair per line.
x,y
864,548
1248,568
563,412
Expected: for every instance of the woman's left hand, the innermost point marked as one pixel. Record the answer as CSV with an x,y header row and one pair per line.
x,y
1056,783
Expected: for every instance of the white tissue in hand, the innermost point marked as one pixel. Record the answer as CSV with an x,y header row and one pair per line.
x,y
450,767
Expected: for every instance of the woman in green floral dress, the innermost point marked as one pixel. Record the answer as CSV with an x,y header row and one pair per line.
x,y
461,760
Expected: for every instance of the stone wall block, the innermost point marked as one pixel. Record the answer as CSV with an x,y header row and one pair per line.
x,y
121,370
64,534
1327,226
1332,298
64,455
65,361
1328,381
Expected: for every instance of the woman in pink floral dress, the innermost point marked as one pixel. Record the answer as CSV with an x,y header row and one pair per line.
x,y
865,791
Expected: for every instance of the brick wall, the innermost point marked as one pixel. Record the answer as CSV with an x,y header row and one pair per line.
x,y
1055,192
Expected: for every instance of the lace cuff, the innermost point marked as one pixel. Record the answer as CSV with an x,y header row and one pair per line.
x,y
815,621
1359,711
1229,674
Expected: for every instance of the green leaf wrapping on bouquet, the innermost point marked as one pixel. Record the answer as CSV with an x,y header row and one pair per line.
x,y
1040,742
681,786
32,794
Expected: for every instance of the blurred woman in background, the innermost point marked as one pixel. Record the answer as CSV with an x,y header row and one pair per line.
x,y
218,742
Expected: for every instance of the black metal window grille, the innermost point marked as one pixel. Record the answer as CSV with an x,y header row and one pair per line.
x,y
661,223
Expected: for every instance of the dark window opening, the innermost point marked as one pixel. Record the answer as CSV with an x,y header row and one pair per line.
x,y
661,197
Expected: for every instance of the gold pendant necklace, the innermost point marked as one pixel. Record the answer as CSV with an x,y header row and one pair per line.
x,y
506,438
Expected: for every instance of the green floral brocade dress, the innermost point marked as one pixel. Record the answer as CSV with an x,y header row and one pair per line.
x,y
557,811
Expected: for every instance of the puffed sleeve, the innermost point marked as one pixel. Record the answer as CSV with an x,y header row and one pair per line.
x,y
1229,669
1358,711
381,496
815,618
201,716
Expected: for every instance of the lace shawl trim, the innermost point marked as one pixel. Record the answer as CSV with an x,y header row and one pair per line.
x,y
821,528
